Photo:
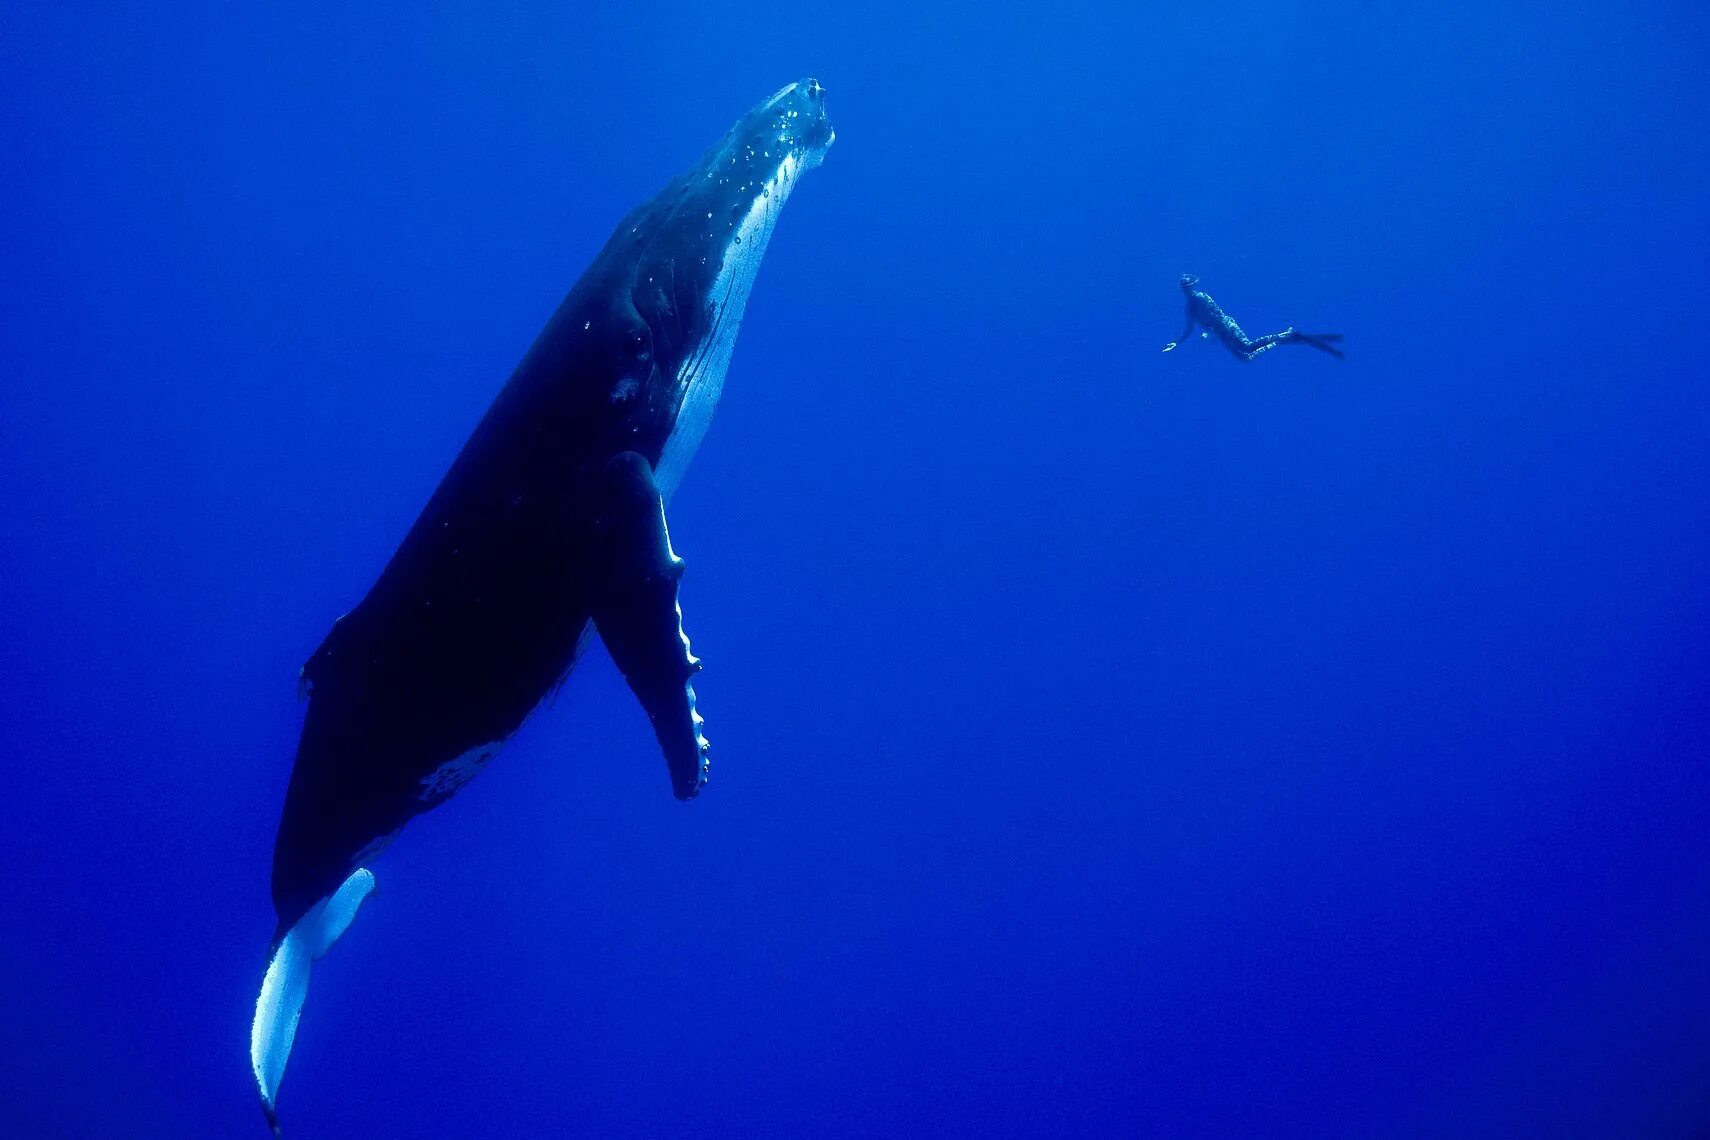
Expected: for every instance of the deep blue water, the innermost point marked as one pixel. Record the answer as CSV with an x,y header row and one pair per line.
x,y
1105,743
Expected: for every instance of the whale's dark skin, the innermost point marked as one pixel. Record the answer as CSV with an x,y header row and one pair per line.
x,y
550,522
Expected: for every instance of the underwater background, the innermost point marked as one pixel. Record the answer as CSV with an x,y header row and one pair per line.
x,y
1105,743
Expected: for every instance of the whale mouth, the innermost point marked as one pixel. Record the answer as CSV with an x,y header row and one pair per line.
x,y
692,290
796,118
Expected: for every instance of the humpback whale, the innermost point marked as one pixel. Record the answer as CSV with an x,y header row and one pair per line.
x,y
549,525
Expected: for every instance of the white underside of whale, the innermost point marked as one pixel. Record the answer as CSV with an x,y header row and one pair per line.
x,y
701,375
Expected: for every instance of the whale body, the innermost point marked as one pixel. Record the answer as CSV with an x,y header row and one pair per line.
x,y
549,526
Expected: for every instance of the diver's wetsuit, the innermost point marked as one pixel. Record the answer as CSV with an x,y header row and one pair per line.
x,y
1207,314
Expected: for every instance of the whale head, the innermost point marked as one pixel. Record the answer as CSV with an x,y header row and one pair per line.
x,y
702,242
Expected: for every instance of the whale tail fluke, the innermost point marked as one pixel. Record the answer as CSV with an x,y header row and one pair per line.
x,y
287,984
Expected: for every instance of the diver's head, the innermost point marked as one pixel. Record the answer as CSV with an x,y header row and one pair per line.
x,y
1187,282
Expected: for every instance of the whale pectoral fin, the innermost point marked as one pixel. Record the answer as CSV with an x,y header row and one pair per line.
x,y
287,984
634,602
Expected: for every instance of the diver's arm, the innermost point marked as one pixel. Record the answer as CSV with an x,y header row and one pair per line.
x,y
1187,334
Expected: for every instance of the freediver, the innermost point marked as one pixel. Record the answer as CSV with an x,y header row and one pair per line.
x,y
1208,315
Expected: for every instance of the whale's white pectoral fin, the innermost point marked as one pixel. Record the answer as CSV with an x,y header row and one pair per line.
x,y
287,984
635,608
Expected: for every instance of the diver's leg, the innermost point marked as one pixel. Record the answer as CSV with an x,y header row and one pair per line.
x,y
1264,344
1229,334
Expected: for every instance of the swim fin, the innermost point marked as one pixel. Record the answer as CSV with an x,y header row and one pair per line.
x,y
1323,342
